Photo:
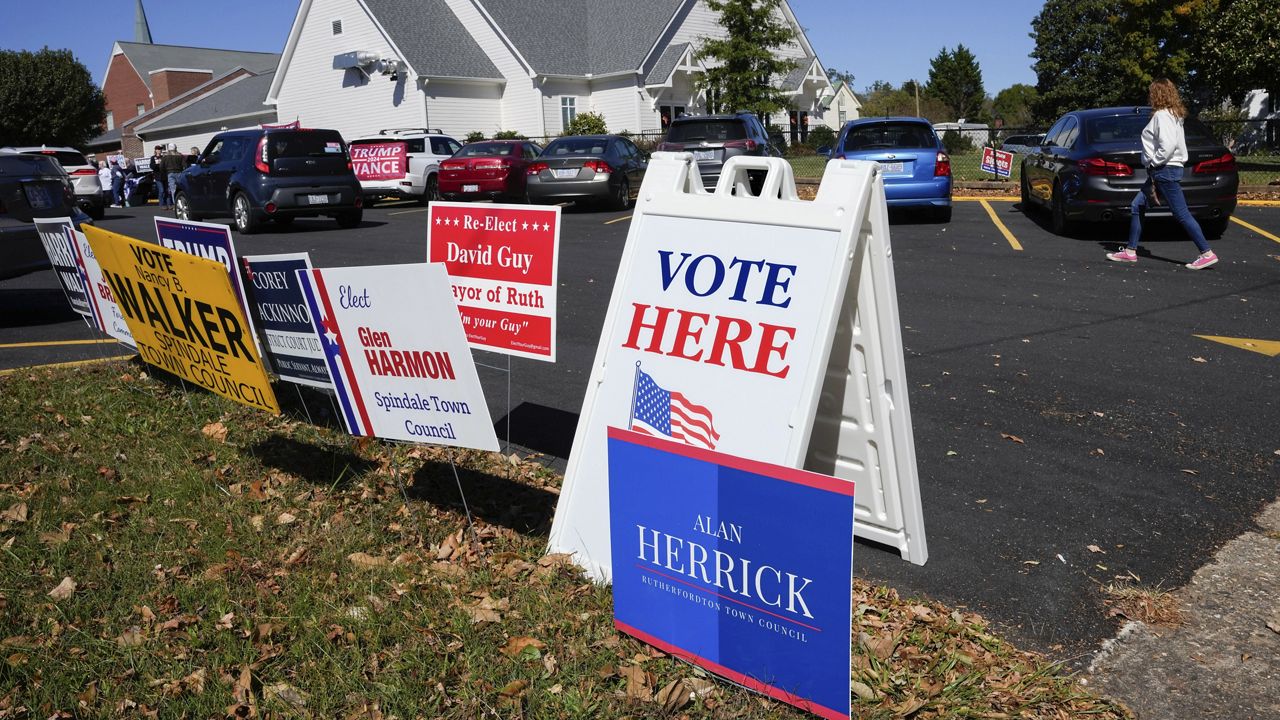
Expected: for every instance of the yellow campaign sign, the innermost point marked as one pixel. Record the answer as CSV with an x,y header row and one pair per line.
x,y
184,316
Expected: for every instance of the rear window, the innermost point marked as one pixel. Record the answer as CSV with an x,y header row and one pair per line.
x,y
880,136
66,158
576,146
1128,128
709,130
27,165
305,144
487,148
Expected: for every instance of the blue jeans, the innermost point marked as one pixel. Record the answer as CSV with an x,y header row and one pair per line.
x,y
173,188
162,191
1168,185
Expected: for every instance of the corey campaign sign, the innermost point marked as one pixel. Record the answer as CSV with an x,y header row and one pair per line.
x,y
740,567
184,317
58,237
503,263
378,161
283,318
400,364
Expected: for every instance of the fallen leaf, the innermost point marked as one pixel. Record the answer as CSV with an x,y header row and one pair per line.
x,y
1273,626
1191,472
64,589
1013,438
215,431
862,690
1030,562
285,693
16,512
516,646
1096,549
639,682
366,560
224,622
131,638
673,697
514,689
255,521
286,518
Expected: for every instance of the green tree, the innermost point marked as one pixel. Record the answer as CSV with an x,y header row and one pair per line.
x,y
1239,48
587,123
1014,103
956,79
1078,48
835,77
882,99
47,97
746,63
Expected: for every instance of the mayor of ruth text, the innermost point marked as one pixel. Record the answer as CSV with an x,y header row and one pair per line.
x,y
716,338
502,256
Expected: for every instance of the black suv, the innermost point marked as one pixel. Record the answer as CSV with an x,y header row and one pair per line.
x,y
713,139
271,174
31,186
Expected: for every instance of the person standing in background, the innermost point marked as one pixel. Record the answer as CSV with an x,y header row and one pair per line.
x,y
104,179
174,164
163,197
194,157
117,181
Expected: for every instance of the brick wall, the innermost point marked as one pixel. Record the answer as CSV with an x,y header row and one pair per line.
x,y
168,84
124,91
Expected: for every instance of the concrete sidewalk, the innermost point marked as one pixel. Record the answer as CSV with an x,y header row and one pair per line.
x,y
1223,661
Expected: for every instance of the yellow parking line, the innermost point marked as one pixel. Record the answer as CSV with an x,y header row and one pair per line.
x,y
1259,203
405,212
979,198
73,363
1256,229
52,343
1013,241
617,220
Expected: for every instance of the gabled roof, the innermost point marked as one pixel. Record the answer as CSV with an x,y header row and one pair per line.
x,y
666,64
798,73
110,137
239,98
146,58
582,37
433,40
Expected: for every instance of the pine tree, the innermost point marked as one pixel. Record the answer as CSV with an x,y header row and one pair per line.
x,y
746,65
956,80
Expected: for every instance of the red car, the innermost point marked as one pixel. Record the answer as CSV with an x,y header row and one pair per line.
x,y
489,169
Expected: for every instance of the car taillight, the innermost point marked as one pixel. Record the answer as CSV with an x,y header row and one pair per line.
x,y
260,157
535,168
1221,164
600,166
670,147
270,208
748,145
494,163
942,165
84,171
453,165
1106,168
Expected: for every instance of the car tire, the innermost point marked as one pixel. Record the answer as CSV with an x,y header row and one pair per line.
x,y
942,214
242,212
1024,193
1058,221
350,218
1215,228
622,196
430,190
182,207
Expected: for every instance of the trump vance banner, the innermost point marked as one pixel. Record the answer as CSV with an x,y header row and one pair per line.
x,y
184,316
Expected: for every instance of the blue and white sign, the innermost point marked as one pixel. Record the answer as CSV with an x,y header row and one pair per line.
x,y
210,241
281,314
58,237
740,567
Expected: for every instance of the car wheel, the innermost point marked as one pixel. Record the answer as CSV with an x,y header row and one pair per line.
x,y
1024,193
622,196
182,207
242,211
942,214
1213,229
431,192
1058,221
350,218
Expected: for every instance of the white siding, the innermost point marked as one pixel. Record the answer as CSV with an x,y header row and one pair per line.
x,y
320,96
198,135
618,100
459,108
703,22
520,107
553,89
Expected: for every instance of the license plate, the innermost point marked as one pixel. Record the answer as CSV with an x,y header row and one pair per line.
x,y
38,197
891,168
317,199
566,172
704,154
470,188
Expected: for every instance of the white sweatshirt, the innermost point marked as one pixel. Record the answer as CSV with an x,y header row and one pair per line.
x,y
1163,141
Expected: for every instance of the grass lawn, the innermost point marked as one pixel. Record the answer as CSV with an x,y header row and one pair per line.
x,y
170,554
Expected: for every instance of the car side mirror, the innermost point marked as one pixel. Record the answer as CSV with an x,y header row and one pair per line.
x,y
825,151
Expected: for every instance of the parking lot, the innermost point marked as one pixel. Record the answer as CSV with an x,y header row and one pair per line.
x,y
1076,424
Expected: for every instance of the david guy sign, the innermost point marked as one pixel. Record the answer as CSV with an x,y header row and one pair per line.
x,y
395,350
184,317
503,263
739,567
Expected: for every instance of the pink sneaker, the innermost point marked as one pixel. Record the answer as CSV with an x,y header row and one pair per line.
x,y
1124,254
1203,261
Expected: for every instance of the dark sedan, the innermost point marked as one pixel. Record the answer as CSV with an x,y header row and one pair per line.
x,y
1089,168
605,169
489,169
31,186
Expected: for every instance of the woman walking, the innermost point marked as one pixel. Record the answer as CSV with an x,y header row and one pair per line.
x,y
1164,151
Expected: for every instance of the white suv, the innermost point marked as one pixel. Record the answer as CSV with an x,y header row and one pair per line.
x,y
386,170
84,177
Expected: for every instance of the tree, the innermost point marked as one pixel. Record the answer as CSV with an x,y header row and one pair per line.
x,y
747,64
47,98
835,77
587,123
1239,47
1013,105
1078,49
956,80
882,99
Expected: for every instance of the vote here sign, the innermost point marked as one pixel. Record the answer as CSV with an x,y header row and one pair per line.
x,y
503,265
378,161
740,567
399,362
184,316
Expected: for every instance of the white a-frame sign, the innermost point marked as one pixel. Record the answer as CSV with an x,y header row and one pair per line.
x,y
762,326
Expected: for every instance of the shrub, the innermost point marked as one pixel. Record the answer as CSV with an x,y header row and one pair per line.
x,y
819,136
956,142
508,135
587,123
474,136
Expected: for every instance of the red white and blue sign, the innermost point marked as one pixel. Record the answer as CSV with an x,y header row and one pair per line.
x,y
997,162
210,241
281,314
58,237
740,567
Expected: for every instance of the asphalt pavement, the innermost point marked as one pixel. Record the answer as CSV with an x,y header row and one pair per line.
x,y
1073,429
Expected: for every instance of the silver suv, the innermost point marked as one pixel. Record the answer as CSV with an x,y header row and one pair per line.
x,y
84,177
375,161
713,139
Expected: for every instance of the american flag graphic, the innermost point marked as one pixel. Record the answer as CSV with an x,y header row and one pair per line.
x,y
656,411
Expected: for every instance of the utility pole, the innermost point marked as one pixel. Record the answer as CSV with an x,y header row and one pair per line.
x,y
916,85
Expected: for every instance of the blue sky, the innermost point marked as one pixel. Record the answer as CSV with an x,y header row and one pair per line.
x,y
873,40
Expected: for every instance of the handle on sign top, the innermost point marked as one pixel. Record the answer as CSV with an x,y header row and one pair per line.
x,y
779,179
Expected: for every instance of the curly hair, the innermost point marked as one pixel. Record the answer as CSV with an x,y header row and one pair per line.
x,y
1164,96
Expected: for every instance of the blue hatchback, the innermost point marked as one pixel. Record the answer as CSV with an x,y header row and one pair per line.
x,y
916,170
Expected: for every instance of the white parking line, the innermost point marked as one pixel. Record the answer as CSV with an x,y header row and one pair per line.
x,y
406,212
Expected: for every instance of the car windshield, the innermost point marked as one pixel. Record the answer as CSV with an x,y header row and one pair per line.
x,y
576,146
66,158
709,130
305,143
1128,128
481,149
881,136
